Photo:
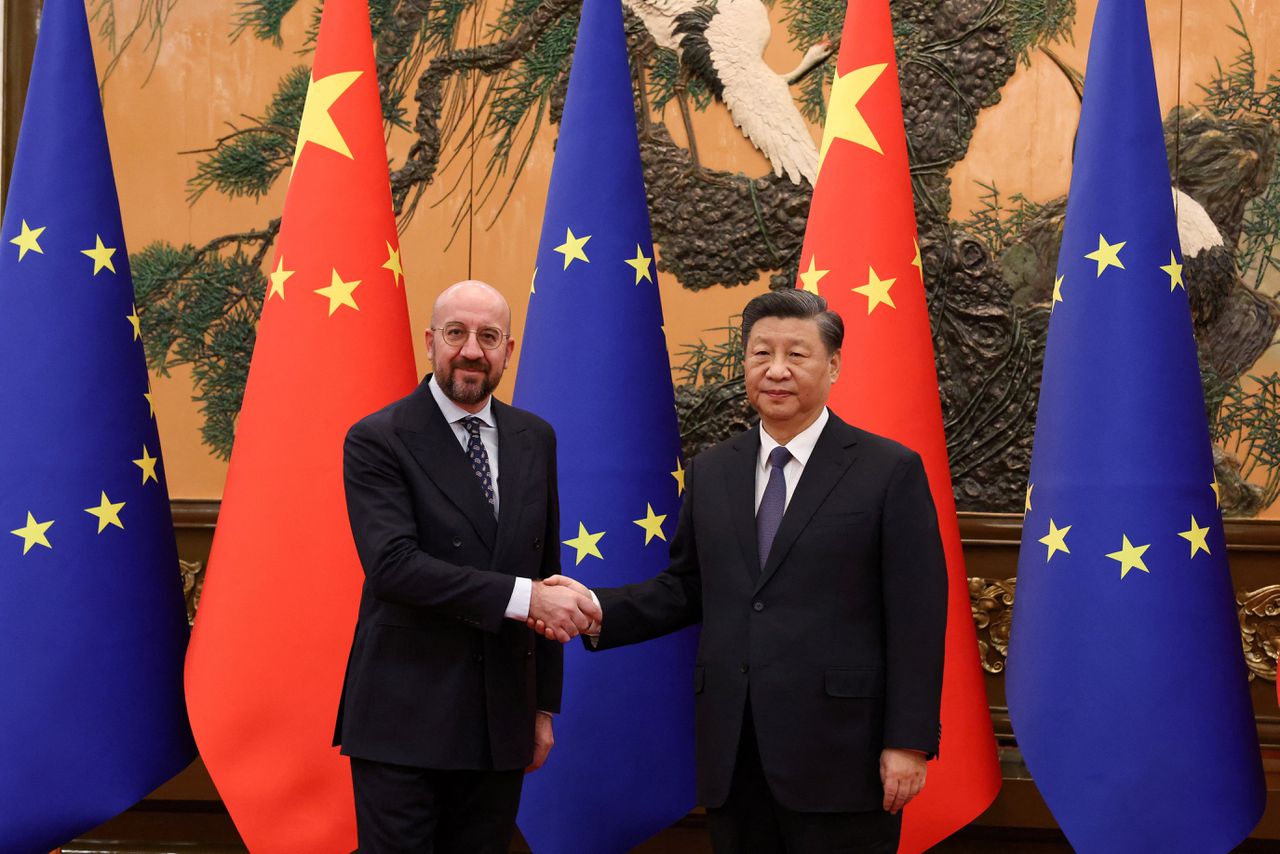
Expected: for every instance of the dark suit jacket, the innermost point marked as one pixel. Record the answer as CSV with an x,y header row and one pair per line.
x,y
437,677
837,642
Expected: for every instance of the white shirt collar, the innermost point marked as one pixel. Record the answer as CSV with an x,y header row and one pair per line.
x,y
453,413
800,446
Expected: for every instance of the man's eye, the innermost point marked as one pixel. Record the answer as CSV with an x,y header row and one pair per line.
x,y
490,338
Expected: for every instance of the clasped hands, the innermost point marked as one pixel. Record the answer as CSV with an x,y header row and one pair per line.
x,y
562,609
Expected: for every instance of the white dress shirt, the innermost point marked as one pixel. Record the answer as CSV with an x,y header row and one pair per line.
x,y
801,448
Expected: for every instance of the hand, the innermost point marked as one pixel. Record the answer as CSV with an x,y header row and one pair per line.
x,y
543,739
902,773
560,612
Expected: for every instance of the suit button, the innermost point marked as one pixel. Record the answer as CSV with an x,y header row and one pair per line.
x,y
759,606
744,667
479,656
457,542
537,542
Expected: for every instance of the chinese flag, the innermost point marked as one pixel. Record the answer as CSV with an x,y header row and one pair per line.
x,y
265,666
860,252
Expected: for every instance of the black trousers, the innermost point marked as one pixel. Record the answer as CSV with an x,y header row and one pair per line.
x,y
752,822
422,811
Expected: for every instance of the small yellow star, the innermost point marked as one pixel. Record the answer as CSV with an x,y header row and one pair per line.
x,y
151,403
101,255
918,262
533,281
148,465
1217,490
641,265
137,323
106,513
813,275
317,125
678,474
585,544
1027,508
339,293
1130,557
33,533
278,277
1057,293
844,120
28,240
393,263
1174,269
571,249
1197,537
1056,540
1107,254
652,524
876,290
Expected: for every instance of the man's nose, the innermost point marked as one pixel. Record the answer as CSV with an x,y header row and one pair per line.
x,y
471,348
778,368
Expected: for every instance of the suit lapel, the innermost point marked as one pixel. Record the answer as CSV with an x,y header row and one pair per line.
x,y
424,431
515,458
740,484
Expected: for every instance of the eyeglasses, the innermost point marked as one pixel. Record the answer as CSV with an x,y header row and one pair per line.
x,y
456,335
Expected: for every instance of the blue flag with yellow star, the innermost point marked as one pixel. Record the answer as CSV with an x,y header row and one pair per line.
x,y
1126,682
92,622
595,365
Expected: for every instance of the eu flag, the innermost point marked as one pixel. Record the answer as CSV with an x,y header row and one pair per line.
x,y
1126,682
92,622
595,365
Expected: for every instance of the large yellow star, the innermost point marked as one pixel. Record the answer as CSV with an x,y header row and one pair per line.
x,y
810,278
1057,293
101,255
1130,557
876,290
641,265
28,240
106,513
1027,507
1197,537
339,293
844,120
678,474
148,465
33,533
571,249
1056,540
278,277
1107,254
317,125
136,321
393,263
652,524
585,543
1174,269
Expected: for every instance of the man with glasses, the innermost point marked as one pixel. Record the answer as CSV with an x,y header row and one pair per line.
x,y
452,499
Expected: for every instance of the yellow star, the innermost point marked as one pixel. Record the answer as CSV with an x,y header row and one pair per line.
x,y
317,125
148,465
339,293
278,277
1197,537
1130,557
28,240
393,263
1217,490
1057,293
1174,269
533,282
678,474
652,524
151,404
107,513
844,121
918,263
571,249
137,323
101,255
1030,486
585,544
813,275
876,290
641,265
1107,254
1056,540
33,533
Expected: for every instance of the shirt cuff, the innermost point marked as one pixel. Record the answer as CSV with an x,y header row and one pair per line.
x,y
518,605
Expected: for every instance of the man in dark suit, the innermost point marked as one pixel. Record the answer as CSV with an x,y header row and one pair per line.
x,y
448,696
809,551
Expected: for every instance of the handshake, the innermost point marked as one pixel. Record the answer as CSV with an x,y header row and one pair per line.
x,y
562,609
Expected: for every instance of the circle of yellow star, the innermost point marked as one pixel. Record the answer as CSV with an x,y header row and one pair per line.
x,y
317,125
148,465
810,278
101,255
1107,254
393,262
1057,293
1056,540
1130,557
585,543
1197,536
136,321
278,277
640,264
33,533
652,524
339,293
107,513
1174,269
678,474
844,119
571,249
876,290
28,240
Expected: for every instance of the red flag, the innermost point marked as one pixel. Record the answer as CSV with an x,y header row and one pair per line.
x,y
265,665
860,252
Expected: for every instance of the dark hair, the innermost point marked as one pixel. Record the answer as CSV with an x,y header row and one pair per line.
x,y
793,302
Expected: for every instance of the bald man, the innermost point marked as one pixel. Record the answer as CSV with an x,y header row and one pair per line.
x,y
448,695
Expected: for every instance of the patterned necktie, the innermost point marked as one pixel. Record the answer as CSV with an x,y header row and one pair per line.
x,y
773,502
479,457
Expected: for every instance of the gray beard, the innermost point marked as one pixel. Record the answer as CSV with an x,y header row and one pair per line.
x,y
467,394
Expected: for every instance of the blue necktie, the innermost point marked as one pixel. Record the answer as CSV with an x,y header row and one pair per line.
x,y
773,503
479,457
